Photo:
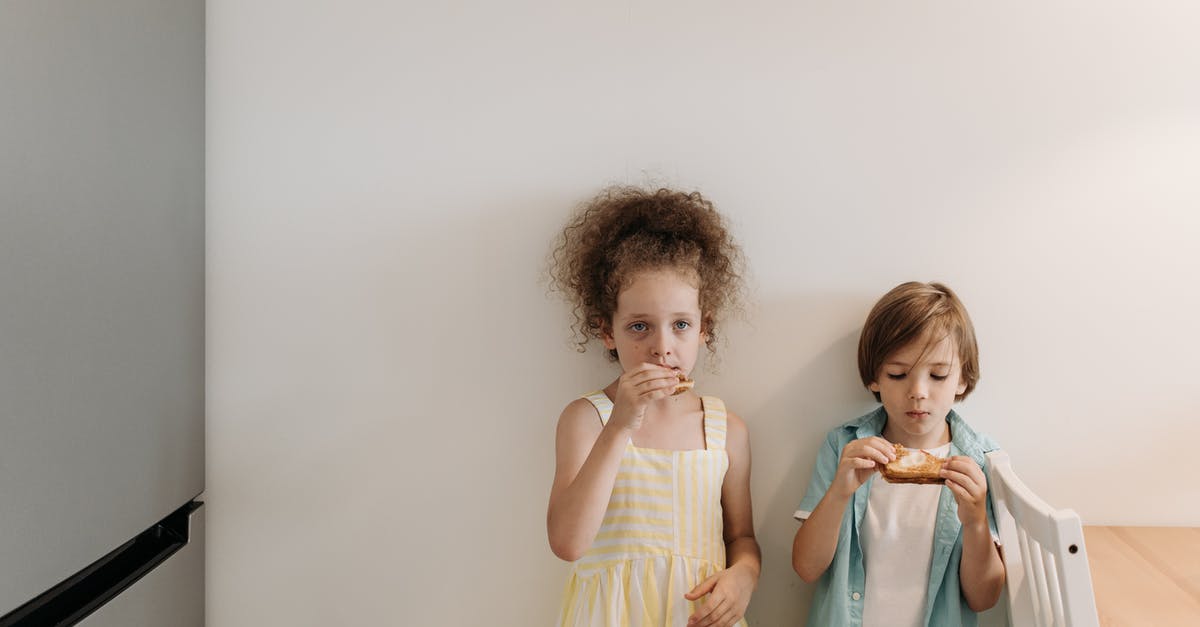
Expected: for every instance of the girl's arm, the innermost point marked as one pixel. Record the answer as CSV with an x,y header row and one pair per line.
x,y
729,591
816,539
981,571
587,457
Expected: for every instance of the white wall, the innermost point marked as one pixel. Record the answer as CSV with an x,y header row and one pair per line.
x,y
385,179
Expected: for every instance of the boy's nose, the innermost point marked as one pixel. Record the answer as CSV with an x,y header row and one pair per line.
x,y
917,391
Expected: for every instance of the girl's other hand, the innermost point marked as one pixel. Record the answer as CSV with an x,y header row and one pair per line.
x,y
636,389
728,595
860,459
965,479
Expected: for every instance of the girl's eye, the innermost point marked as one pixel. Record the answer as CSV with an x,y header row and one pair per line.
x,y
939,377
638,327
682,325
896,377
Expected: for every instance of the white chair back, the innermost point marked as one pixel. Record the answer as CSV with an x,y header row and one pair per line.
x,y
1045,562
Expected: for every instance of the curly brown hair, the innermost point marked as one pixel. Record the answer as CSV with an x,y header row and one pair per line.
x,y
627,230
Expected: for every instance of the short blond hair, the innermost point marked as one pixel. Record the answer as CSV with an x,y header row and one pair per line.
x,y
905,314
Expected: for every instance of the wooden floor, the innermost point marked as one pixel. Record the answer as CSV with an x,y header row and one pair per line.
x,y
1145,575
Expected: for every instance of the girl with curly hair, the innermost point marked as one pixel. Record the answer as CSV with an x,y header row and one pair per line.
x,y
651,493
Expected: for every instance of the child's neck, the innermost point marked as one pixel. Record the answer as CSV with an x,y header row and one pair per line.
x,y
675,423
926,441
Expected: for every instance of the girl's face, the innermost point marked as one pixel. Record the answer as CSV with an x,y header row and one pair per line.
x,y
918,384
657,321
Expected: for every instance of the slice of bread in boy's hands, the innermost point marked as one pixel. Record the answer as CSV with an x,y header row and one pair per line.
x,y
913,466
684,384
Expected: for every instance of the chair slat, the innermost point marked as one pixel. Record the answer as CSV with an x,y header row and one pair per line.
x,y
1053,575
1048,581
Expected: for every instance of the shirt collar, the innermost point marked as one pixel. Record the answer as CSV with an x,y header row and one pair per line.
x,y
963,439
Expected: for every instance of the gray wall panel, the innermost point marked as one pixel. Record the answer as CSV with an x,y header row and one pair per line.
x,y
101,278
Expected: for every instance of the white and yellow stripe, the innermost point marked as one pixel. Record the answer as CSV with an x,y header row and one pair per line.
x,y
661,534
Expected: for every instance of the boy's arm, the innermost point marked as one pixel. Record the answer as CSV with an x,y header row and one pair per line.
x,y
816,539
981,571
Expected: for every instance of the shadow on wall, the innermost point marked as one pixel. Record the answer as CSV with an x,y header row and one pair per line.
x,y
791,426
792,375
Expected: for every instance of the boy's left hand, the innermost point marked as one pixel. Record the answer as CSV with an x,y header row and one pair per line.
x,y
728,595
968,485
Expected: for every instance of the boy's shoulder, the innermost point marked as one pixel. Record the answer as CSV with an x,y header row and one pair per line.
x,y
970,442
866,425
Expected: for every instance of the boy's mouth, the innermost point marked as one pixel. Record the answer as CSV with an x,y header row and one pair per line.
x,y
917,414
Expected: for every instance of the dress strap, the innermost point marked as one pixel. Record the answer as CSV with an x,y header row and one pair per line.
x,y
715,421
601,402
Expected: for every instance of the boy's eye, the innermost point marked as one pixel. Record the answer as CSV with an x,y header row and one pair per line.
x,y
682,325
638,327
897,376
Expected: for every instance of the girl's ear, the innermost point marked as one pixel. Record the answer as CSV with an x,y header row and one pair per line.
x,y
606,335
962,386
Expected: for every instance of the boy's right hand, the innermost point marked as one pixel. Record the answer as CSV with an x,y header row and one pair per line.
x,y
636,389
861,459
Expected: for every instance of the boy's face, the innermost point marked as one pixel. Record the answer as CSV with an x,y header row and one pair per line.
x,y
657,321
917,384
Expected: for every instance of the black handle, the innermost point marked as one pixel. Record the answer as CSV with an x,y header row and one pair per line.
x,y
82,593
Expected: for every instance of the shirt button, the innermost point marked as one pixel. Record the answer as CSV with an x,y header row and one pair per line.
x,y
856,596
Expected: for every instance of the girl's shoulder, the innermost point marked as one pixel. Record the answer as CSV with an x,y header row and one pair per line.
x,y
580,408
737,436
736,430
580,419
734,422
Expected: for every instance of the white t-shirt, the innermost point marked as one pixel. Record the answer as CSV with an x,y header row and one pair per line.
x,y
897,545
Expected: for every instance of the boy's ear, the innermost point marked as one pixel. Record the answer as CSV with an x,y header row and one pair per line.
x,y
874,387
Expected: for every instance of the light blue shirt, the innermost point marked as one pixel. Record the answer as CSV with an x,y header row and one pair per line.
x,y
840,592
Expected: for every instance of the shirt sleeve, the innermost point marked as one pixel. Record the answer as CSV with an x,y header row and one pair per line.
x,y
822,477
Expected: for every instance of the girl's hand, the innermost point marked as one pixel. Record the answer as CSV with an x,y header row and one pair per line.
x,y
968,485
636,389
728,595
859,461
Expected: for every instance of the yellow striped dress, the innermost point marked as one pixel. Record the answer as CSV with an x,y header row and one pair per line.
x,y
661,535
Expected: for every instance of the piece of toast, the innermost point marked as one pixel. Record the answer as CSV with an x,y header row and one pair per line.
x,y
684,384
913,466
